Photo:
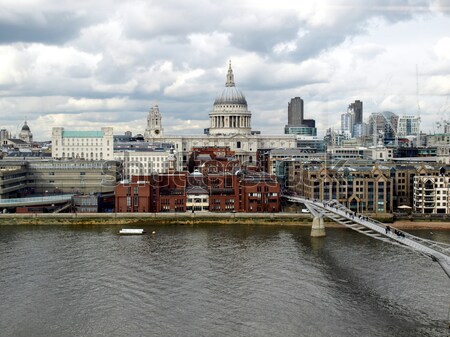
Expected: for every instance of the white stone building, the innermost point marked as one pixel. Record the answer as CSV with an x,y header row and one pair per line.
x,y
88,145
230,125
443,153
408,126
432,194
143,162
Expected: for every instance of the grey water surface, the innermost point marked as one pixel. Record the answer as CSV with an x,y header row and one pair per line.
x,y
218,280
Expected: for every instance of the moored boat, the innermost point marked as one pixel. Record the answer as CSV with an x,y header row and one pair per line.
x,y
131,231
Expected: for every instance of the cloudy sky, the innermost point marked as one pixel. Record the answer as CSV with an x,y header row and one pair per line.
x,y
86,64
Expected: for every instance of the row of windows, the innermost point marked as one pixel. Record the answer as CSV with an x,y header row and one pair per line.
x,y
227,201
82,141
82,155
53,173
141,159
166,202
274,194
197,200
141,171
148,164
66,166
82,151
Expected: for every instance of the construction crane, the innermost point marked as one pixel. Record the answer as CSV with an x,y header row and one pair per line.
x,y
418,106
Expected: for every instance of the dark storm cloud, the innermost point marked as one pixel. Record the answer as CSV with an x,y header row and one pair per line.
x,y
51,28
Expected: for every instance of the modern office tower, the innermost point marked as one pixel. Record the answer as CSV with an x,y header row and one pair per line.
x,y
408,126
296,124
383,125
357,108
360,130
295,111
347,122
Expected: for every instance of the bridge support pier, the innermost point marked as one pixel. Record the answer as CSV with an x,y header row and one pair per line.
x,y
318,227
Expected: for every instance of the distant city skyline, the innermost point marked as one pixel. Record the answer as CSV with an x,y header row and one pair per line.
x,y
97,64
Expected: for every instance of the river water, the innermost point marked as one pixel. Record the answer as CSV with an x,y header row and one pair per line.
x,y
218,280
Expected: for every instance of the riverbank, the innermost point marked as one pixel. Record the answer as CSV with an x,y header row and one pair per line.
x,y
145,219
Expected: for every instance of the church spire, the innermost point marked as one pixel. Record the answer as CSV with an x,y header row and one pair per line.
x,y
230,77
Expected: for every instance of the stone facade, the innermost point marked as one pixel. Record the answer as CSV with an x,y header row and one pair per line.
x,y
154,128
432,193
139,163
87,145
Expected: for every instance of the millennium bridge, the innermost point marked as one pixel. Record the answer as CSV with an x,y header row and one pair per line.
x,y
333,210
36,201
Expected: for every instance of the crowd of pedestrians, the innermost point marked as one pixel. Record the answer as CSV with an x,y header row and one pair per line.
x,y
352,215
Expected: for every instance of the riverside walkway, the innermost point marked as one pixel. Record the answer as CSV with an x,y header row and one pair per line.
x,y
437,251
36,201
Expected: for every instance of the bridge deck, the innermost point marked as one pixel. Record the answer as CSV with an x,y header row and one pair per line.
x,y
438,251
35,201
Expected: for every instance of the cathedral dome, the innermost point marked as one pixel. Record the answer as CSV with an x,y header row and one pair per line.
x,y
230,113
25,127
230,95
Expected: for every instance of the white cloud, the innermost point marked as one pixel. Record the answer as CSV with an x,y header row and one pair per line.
x,y
285,47
442,48
82,63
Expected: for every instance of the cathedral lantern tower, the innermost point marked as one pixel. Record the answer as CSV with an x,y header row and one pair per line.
x,y
154,127
230,114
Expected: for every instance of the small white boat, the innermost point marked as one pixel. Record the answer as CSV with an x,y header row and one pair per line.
x,y
131,231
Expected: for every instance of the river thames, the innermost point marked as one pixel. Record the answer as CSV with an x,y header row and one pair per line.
x,y
218,280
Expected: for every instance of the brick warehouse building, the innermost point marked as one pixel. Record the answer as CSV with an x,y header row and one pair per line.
x,y
259,192
156,193
182,191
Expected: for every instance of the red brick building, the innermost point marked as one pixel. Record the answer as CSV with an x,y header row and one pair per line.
x,y
218,188
158,193
224,188
170,192
134,196
259,192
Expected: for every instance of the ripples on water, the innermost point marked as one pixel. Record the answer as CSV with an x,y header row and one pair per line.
x,y
215,281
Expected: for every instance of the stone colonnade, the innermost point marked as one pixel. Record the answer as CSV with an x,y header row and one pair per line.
x,y
230,121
